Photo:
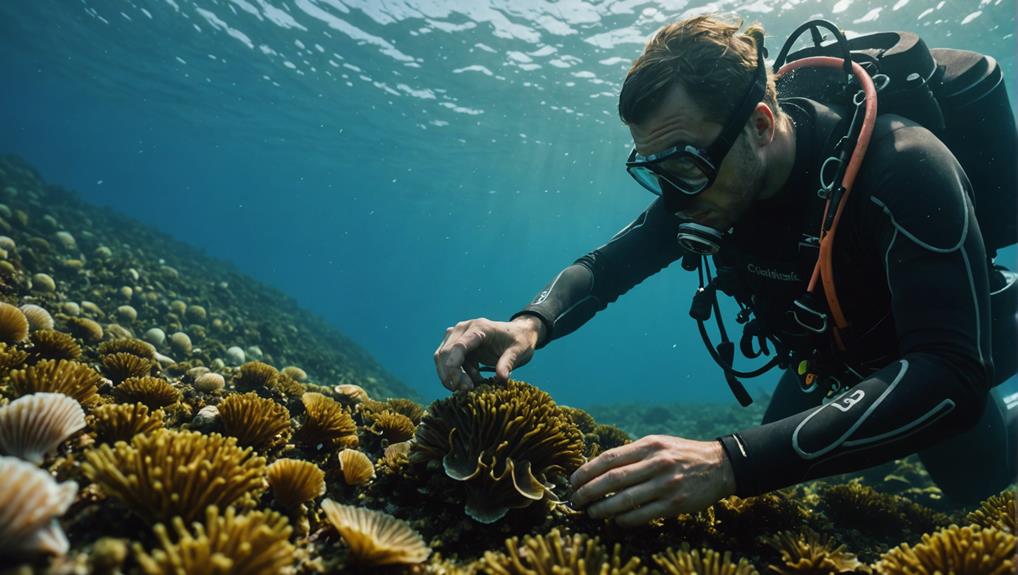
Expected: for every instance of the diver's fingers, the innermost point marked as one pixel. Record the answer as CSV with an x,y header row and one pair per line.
x,y
617,480
506,363
615,457
624,500
472,370
449,357
644,513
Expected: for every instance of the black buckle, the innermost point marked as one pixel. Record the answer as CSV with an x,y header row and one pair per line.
x,y
807,316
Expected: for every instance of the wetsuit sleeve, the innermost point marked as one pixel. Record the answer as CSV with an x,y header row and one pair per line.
x,y
586,287
920,221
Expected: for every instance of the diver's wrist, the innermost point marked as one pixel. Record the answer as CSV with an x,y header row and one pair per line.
x,y
532,324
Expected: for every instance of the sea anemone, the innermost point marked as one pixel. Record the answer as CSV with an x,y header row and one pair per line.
x,y
256,543
376,538
132,346
120,421
166,473
503,442
13,324
808,553
122,365
68,377
997,511
34,425
394,427
85,329
37,316
702,562
970,550
154,392
50,344
552,553
326,422
30,502
255,421
255,375
357,469
295,482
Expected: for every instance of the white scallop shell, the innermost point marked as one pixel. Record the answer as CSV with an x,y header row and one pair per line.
x,y
33,425
30,502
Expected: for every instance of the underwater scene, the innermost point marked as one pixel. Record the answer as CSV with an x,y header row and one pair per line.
x,y
238,239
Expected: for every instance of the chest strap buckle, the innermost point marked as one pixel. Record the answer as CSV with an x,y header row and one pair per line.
x,y
806,314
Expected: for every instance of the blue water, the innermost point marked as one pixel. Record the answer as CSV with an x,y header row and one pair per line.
x,y
396,165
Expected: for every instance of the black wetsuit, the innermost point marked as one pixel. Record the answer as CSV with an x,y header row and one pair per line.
x,y
911,275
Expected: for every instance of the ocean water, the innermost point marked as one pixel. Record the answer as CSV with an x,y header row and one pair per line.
x,y
397,165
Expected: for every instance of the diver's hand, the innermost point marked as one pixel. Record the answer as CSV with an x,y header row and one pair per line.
x,y
655,476
506,345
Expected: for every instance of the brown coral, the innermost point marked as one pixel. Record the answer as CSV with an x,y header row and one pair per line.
x,y
394,427
970,550
13,324
166,473
68,377
808,553
395,457
294,482
51,344
503,442
135,347
326,422
862,507
357,469
702,562
30,502
255,375
997,511
122,365
11,357
376,538
154,392
255,543
34,425
255,421
552,553
120,422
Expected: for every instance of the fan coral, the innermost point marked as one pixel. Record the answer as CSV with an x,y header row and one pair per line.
x,y
154,392
132,346
971,550
702,562
85,329
394,427
294,481
30,502
34,425
166,473
37,316
503,441
552,553
997,511
50,344
68,377
357,469
255,375
808,553
256,543
120,366
326,422
13,324
120,422
376,538
255,421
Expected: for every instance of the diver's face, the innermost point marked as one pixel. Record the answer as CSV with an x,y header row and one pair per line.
x,y
740,177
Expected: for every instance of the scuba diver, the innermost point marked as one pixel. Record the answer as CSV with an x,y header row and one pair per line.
x,y
859,248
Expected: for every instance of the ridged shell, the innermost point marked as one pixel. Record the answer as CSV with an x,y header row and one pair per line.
x,y
30,502
356,467
37,316
33,425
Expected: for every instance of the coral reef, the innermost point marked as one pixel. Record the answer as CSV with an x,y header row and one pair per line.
x,y
553,553
326,422
122,365
294,482
702,562
121,421
394,427
375,538
971,550
808,553
52,344
151,391
997,511
68,377
356,467
503,442
167,473
255,422
255,543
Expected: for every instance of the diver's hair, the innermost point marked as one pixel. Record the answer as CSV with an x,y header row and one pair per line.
x,y
708,56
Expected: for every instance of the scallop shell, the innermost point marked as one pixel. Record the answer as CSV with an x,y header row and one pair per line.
x,y
33,425
30,502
